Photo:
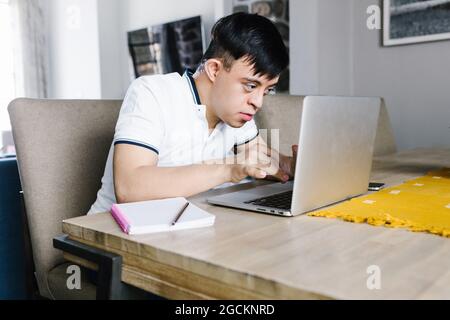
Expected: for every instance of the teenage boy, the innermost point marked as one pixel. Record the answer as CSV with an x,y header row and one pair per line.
x,y
181,135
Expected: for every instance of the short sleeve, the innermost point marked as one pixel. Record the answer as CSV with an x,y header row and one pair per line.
x,y
140,120
246,133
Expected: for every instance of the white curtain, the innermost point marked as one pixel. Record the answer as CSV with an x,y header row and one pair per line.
x,y
31,47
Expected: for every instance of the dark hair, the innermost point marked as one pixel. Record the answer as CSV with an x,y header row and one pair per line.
x,y
251,36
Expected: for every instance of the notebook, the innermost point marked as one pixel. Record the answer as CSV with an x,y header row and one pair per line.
x,y
157,216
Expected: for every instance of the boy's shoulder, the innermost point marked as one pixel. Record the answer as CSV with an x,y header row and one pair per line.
x,y
160,82
154,90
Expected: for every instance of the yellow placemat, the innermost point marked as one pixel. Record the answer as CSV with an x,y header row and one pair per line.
x,y
421,205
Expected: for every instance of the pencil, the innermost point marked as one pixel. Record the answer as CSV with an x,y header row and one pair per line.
x,y
180,213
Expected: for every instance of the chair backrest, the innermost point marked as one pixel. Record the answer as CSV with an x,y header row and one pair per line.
x,y
62,147
283,112
384,140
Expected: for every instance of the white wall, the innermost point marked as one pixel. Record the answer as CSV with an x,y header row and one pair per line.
x,y
89,57
304,47
74,49
321,55
112,44
116,17
333,53
414,79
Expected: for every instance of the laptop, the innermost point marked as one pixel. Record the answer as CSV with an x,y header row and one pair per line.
x,y
334,159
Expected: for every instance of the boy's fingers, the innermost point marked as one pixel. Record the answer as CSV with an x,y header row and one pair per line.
x,y
261,170
269,170
264,159
255,156
256,172
283,176
280,175
273,169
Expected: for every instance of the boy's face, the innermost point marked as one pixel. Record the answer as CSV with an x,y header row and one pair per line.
x,y
237,94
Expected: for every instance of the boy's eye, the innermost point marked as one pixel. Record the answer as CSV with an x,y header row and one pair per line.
x,y
270,91
250,86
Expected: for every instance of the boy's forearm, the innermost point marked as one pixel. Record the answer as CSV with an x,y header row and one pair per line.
x,y
151,182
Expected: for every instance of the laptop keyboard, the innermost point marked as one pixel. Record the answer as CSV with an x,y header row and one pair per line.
x,y
279,200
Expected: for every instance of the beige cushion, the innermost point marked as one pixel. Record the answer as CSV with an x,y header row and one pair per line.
x,y
283,112
384,141
62,147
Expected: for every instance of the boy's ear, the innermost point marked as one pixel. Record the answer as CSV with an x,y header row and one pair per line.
x,y
212,68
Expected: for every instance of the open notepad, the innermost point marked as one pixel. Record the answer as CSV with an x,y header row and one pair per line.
x,y
157,215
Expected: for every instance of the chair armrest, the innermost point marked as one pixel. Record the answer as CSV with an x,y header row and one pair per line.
x,y
109,266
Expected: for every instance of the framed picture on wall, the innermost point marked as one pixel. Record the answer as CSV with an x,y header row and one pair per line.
x,y
412,21
166,48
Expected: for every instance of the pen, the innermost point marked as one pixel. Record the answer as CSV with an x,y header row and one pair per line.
x,y
179,214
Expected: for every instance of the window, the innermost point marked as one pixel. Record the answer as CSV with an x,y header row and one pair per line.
x,y
7,76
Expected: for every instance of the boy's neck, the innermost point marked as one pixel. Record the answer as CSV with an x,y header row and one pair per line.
x,y
203,87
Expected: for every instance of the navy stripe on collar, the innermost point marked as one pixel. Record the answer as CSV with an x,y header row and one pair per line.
x,y
189,74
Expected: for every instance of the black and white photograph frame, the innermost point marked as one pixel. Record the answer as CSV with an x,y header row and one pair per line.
x,y
414,21
167,47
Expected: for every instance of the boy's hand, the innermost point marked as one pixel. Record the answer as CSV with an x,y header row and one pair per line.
x,y
287,164
256,169
264,164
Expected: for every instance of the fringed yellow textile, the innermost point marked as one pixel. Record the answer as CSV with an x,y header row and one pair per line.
x,y
420,205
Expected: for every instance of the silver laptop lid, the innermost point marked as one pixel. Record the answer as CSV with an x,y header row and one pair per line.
x,y
337,137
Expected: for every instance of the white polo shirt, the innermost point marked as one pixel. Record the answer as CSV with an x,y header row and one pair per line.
x,y
163,114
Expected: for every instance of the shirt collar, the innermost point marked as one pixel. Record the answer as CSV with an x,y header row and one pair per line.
x,y
189,76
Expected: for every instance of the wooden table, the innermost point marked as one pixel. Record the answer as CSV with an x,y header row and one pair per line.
x,y
250,255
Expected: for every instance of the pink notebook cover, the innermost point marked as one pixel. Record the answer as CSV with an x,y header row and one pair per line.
x,y
120,218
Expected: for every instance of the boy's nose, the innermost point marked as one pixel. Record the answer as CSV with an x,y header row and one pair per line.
x,y
257,101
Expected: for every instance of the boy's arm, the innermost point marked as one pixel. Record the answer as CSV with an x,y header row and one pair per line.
x,y
137,176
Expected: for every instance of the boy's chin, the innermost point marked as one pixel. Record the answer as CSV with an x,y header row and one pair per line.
x,y
235,123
